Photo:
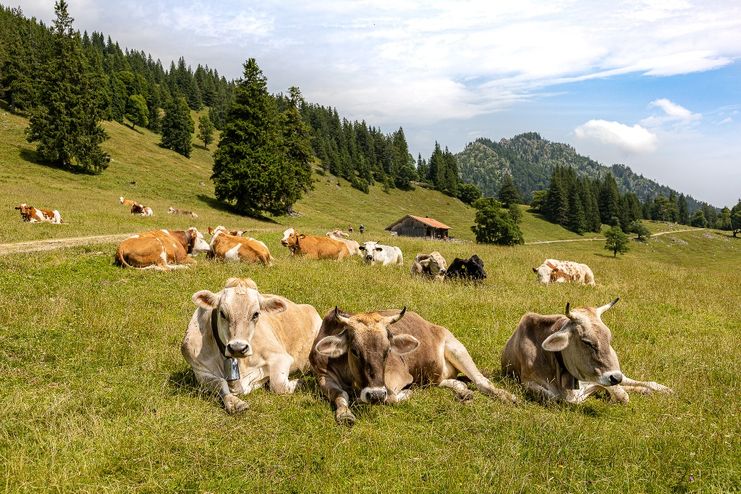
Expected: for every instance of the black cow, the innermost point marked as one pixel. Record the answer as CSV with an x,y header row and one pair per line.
x,y
469,269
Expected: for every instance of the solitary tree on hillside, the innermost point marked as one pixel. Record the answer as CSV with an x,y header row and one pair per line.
x,y
617,241
177,127
205,130
495,225
64,122
137,111
261,163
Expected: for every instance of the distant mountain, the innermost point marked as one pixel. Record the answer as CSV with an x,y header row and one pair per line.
x,y
530,160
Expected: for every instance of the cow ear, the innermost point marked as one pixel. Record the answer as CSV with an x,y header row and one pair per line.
x,y
332,346
403,344
535,270
272,304
302,236
362,247
205,299
379,249
558,341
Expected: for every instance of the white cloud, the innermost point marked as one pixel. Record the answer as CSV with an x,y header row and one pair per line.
x,y
632,139
672,114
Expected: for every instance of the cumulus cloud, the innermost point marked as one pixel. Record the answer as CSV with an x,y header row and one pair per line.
x,y
672,113
632,139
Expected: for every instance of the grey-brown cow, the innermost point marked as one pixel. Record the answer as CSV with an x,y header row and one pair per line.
x,y
569,357
378,355
238,339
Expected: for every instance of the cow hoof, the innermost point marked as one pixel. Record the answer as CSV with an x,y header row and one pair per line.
x,y
345,418
508,398
234,405
465,396
660,388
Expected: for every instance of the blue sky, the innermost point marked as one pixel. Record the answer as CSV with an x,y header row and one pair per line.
x,y
654,84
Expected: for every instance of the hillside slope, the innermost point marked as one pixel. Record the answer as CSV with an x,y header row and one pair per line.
x,y
530,160
142,170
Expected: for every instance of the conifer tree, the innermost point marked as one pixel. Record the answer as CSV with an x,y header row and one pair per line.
x,y
65,120
177,127
736,218
609,199
724,220
294,166
577,221
683,211
698,219
509,193
205,130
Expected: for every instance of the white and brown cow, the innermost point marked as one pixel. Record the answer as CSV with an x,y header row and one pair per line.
x,y
234,248
569,357
141,210
352,246
555,271
238,339
314,247
384,255
127,202
173,210
161,250
31,214
378,355
432,265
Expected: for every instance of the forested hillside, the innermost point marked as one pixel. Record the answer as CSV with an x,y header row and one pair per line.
x,y
530,160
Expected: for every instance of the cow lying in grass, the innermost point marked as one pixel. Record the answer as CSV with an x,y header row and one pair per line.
x,y
314,247
141,210
555,271
31,214
173,210
467,269
161,250
430,265
569,357
238,339
378,355
384,255
235,248
352,246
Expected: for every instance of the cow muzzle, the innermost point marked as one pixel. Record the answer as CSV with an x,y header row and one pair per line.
x,y
373,395
368,258
238,349
611,378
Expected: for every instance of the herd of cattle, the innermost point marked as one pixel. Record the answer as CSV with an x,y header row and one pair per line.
x,y
239,339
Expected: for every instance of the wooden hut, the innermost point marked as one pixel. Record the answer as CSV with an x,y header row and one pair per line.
x,y
418,226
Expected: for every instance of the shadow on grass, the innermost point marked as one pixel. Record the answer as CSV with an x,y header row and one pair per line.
x,y
214,203
606,256
33,157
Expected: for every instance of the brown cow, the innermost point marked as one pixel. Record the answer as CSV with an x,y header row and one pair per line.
x,y
141,210
236,233
378,355
314,247
161,250
127,202
569,357
234,248
430,265
31,214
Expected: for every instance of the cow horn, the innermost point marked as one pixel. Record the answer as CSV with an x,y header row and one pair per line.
x,y
337,314
568,310
396,318
606,307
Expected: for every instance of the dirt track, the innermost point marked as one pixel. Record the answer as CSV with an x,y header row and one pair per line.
x,y
60,243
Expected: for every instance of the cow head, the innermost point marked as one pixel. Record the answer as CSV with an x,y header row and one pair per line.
x,y
291,239
196,242
237,309
585,345
433,264
543,272
121,199
171,210
366,342
371,251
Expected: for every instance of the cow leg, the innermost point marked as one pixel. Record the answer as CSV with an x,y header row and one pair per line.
x,y
341,400
216,384
645,387
393,397
459,357
540,393
279,370
459,388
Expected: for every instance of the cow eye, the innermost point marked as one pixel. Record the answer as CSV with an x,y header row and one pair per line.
x,y
255,316
223,314
355,353
590,344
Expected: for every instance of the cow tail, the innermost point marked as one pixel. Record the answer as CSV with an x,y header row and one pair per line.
x,y
119,260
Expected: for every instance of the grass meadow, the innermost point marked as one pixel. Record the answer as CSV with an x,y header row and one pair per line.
x,y
97,398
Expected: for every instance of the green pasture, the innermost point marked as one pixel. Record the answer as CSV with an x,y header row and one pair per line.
x,y
97,398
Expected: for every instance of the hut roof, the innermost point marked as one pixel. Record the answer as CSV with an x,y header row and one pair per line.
x,y
427,221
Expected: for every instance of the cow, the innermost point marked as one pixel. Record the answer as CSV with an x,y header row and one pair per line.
x,y
172,210
430,265
468,269
236,233
31,214
141,210
235,248
352,246
238,339
161,250
127,202
383,254
379,355
555,271
569,357
314,247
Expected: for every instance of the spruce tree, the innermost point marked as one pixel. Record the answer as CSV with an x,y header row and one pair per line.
x,y
509,193
177,127
65,120
205,130
609,199
262,161
577,221
698,219
736,218
683,211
